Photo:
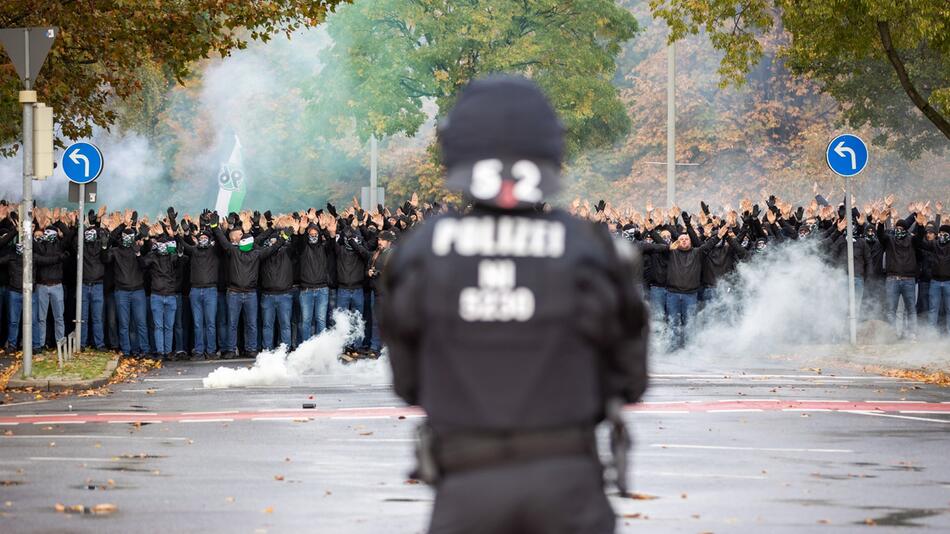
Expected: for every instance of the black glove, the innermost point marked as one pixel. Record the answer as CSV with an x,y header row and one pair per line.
x,y
800,213
771,201
380,210
755,211
92,218
600,205
331,209
14,216
705,207
686,218
204,218
360,214
269,217
213,219
135,217
233,220
172,214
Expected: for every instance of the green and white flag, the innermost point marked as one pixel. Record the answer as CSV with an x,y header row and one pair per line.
x,y
231,184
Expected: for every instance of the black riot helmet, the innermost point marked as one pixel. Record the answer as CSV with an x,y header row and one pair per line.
x,y
503,143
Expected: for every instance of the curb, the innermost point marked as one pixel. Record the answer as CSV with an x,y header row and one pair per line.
x,y
62,384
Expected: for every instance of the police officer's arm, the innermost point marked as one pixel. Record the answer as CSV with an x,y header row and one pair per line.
x,y
401,318
626,358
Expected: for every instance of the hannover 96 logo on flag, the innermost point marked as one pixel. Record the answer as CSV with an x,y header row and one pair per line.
x,y
232,187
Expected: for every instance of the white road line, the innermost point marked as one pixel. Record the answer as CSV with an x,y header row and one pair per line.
x,y
171,379
930,420
341,417
665,402
48,415
72,422
736,411
222,412
729,448
661,411
67,459
699,475
726,376
275,418
77,436
132,422
413,416
9,424
366,408
879,401
127,413
23,403
817,400
205,420
923,411
386,440
805,410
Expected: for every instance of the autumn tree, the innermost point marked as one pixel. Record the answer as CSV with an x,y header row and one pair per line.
x,y
110,50
399,54
886,62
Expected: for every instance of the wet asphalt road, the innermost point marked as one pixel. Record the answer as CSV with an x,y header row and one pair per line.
x,y
771,449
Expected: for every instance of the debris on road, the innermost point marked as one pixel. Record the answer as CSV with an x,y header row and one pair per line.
x,y
309,406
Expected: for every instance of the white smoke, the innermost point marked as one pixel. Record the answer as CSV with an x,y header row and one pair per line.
x,y
318,355
781,298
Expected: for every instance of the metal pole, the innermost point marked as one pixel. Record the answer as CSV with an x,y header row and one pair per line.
x,y
27,98
852,311
373,149
82,208
671,124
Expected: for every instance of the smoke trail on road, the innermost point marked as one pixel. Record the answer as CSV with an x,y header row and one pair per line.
x,y
317,355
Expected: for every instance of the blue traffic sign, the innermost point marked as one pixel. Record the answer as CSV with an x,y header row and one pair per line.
x,y
82,162
847,155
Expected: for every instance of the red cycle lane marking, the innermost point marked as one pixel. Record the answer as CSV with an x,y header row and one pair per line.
x,y
412,411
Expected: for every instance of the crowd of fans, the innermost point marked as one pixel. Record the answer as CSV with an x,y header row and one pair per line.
x,y
201,286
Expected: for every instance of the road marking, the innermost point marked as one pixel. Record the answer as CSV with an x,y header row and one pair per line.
x,y
78,436
725,376
363,408
52,415
274,418
386,440
699,475
205,420
9,424
736,410
930,420
344,417
662,411
171,379
24,403
730,448
132,421
67,459
222,412
922,411
73,422
133,414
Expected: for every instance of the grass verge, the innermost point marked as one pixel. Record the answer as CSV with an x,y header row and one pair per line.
x,y
83,366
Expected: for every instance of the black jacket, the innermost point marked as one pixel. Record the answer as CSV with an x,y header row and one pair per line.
x,y
52,273
940,269
163,272
721,260
243,267
863,266
351,257
572,333
316,261
900,259
127,267
93,255
277,271
204,264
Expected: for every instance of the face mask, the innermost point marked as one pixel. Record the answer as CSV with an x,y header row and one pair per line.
x,y
648,239
161,249
760,245
666,240
313,239
270,242
50,236
19,249
204,242
745,242
900,233
246,244
127,240
90,236
870,238
943,238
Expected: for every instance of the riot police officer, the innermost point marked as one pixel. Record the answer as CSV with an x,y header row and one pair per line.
x,y
513,328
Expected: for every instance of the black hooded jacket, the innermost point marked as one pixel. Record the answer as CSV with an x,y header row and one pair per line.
x,y
316,261
163,272
93,254
277,271
351,257
243,267
900,258
205,263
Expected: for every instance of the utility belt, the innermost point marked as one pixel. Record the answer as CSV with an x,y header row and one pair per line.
x,y
437,456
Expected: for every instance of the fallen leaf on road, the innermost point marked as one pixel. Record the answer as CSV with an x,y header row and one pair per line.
x,y
642,496
366,433
632,516
105,508
229,499
269,510
870,522
8,433
823,521
59,507
278,477
412,481
682,496
286,459
110,482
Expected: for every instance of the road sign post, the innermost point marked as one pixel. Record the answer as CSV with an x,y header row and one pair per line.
x,y
847,155
82,163
27,48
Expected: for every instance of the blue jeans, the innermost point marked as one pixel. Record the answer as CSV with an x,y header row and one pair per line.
x,y
246,301
179,328
112,325
221,319
163,321
350,299
131,304
48,297
897,289
375,342
14,314
658,302
92,305
681,309
204,315
313,307
281,307
939,294
858,294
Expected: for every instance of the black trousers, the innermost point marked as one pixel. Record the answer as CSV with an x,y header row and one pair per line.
x,y
552,495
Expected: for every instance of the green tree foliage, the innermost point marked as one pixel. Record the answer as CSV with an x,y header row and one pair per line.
x,y
879,59
399,54
113,50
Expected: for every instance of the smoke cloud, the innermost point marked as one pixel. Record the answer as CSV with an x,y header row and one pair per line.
x,y
317,355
